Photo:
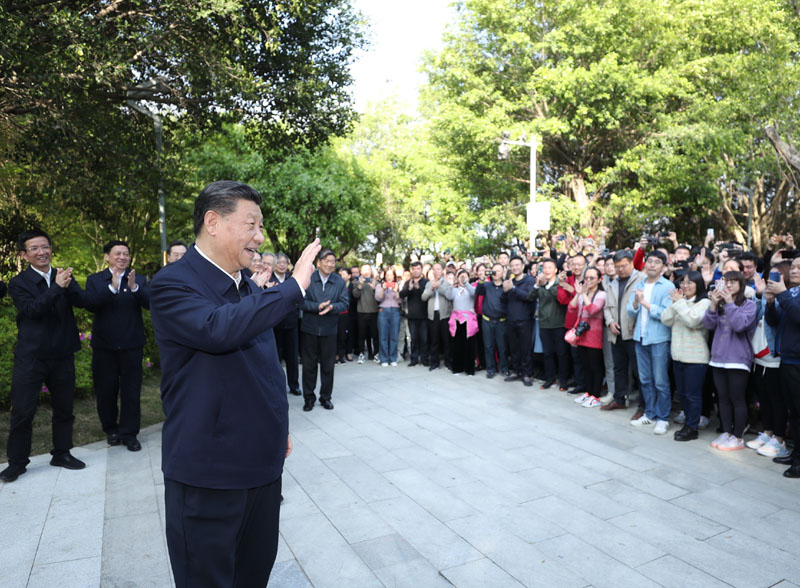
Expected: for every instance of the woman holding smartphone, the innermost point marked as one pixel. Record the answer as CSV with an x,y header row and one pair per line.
x,y
387,293
732,317
590,300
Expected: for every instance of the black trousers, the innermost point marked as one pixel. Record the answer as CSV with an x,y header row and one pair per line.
x,y
520,337
774,415
368,333
287,343
419,340
222,538
318,350
343,344
624,354
464,351
26,383
439,339
118,374
731,387
555,348
790,375
594,368
352,335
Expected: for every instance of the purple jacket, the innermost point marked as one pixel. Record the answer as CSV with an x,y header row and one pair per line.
x,y
734,332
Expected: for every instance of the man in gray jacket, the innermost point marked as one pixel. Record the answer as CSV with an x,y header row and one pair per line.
x,y
620,329
439,294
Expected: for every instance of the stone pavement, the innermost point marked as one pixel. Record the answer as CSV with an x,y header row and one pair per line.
x,y
429,480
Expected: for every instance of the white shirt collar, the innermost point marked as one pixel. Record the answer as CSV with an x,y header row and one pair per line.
x,y
237,277
46,276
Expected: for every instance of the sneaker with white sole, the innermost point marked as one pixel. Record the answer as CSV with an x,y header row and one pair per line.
x,y
642,421
607,399
384,364
661,427
704,421
680,418
773,448
393,364
759,441
581,398
376,359
731,444
361,358
591,402
721,439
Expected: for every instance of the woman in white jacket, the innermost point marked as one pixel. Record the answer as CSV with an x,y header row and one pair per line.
x,y
689,348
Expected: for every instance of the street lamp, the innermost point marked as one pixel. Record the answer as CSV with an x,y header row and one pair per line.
x,y
538,214
135,95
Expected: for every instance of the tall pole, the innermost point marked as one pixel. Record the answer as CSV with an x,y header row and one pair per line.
x,y
532,245
162,204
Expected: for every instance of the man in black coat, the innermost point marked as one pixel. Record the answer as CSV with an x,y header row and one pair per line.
x,y
286,333
116,296
326,297
417,315
47,339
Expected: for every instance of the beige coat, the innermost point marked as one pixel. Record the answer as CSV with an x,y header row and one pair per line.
x,y
610,312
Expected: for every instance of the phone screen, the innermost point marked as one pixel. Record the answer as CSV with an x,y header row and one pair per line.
x,y
775,276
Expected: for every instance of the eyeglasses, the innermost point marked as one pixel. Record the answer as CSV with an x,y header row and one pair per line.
x,y
37,248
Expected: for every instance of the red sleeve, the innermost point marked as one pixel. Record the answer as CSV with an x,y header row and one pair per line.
x,y
638,259
563,296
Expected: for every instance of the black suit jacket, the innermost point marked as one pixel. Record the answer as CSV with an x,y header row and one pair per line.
x,y
2,288
117,317
46,327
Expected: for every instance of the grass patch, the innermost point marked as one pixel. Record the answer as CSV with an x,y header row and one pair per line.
x,y
87,427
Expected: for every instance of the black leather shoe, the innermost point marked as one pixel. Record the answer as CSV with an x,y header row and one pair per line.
x,y
433,367
685,434
490,375
792,472
295,392
133,444
425,363
512,378
65,460
576,390
527,381
786,460
12,472
113,439
413,363
308,406
326,404
547,385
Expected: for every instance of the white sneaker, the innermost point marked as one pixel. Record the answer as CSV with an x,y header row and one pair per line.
x,y
606,399
642,421
591,402
759,441
581,398
393,364
703,424
680,418
721,439
773,448
661,427
384,364
361,358
732,444
376,359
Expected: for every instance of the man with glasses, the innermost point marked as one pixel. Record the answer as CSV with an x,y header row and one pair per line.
x,y
47,339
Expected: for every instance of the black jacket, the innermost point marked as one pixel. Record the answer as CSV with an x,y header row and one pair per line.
x,y
495,301
417,307
3,289
293,317
117,317
519,307
334,290
46,327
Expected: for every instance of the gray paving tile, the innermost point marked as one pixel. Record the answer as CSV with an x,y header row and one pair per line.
x,y
358,523
438,501
600,570
374,455
362,479
436,542
76,573
59,540
134,552
479,574
443,472
781,559
386,551
671,572
416,573
325,557
288,574
320,443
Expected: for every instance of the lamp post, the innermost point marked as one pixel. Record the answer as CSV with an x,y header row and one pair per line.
x,y
135,96
533,213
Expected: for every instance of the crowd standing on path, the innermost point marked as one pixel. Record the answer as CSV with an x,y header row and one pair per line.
x,y
713,326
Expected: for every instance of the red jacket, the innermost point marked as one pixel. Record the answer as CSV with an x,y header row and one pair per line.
x,y
565,298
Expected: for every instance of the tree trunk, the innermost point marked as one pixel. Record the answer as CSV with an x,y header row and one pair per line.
x,y
576,189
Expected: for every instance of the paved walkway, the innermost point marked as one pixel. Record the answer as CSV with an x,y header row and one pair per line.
x,y
420,480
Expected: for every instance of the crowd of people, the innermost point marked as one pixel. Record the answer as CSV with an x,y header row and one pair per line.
x,y
712,328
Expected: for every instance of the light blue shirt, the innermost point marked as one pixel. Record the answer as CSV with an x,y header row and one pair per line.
x,y
655,331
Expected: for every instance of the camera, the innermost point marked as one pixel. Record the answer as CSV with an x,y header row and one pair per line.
x,y
581,328
654,241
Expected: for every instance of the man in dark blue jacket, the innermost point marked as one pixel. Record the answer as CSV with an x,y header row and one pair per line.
x,y
47,339
116,296
520,321
326,297
225,436
286,332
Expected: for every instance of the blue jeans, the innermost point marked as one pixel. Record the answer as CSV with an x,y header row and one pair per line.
x,y
388,329
494,336
689,378
652,361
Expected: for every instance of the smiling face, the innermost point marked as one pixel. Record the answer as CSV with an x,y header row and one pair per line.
x,y
688,287
234,238
38,253
327,264
118,259
516,266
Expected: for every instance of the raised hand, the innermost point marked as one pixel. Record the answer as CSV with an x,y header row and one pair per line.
x,y
132,280
305,265
64,277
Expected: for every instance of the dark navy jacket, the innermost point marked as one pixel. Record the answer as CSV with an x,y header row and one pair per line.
x,y
117,317
292,319
519,307
785,317
495,301
334,290
222,386
46,327
417,307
